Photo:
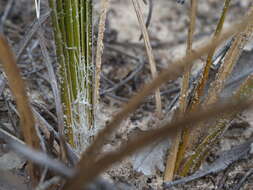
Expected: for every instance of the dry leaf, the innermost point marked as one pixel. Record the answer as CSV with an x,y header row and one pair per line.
x,y
150,158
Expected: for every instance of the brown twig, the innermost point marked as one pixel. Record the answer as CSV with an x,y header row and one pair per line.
x,y
18,89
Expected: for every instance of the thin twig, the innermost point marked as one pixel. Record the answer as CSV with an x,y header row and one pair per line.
x,y
174,158
28,36
2,84
8,137
42,159
43,175
151,58
124,53
122,99
124,81
54,86
11,118
72,156
43,147
150,12
33,155
45,185
242,181
5,14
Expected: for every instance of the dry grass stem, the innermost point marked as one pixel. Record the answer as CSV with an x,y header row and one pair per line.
x,y
189,136
230,60
33,29
204,77
174,159
100,47
151,58
18,89
56,93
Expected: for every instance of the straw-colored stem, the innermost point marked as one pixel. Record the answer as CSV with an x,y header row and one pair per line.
x,y
100,47
18,88
189,136
174,157
216,87
151,58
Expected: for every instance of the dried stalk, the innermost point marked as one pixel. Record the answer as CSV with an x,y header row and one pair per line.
x,y
100,47
225,70
55,89
18,89
204,78
173,159
151,58
189,136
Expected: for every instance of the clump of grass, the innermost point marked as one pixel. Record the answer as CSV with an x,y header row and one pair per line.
x,y
72,23
188,143
188,136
